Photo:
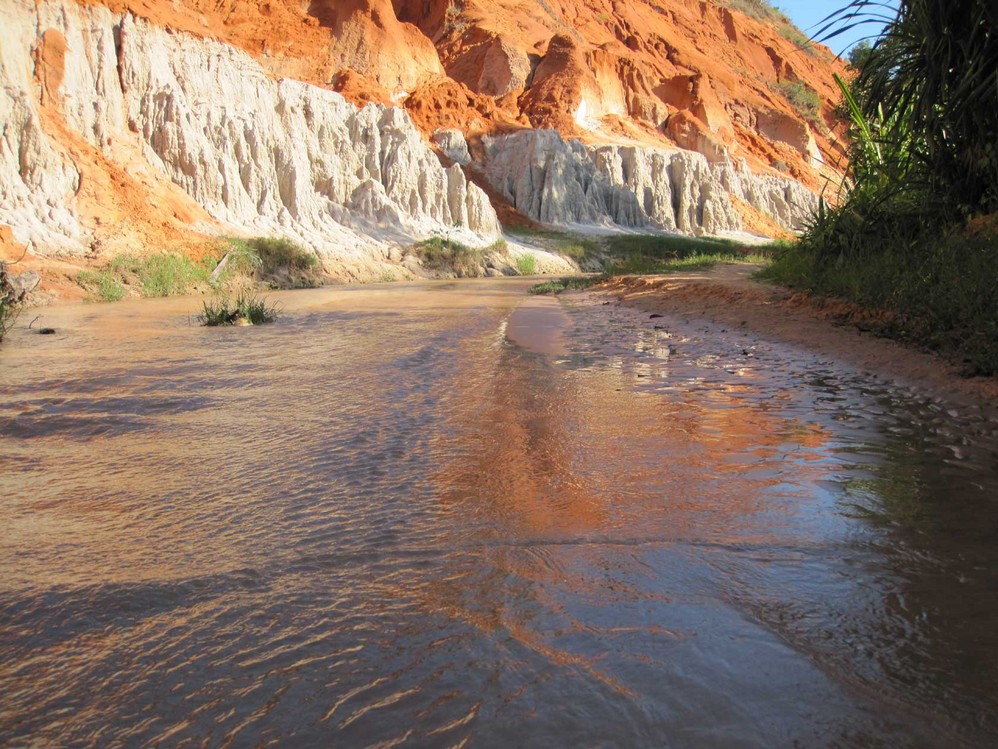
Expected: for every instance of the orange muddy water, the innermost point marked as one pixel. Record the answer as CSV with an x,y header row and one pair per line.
x,y
385,521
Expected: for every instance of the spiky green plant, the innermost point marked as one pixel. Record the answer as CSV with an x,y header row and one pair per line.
x,y
924,159
932,81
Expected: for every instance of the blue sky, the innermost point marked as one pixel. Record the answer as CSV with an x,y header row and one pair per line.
x,y
808,14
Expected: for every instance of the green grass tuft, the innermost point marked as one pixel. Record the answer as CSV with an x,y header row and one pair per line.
x,y
566,284
802,98
156,276
169,274
245,307
760,10
499,247
444,254
278,254
102,286
796,37
282,262
526,264
278,262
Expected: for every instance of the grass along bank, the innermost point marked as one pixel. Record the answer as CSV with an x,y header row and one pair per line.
x,y
446,256
260,261
937,290
652,254
913,232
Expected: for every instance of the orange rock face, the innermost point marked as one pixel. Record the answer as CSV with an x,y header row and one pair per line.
x,y
670,73
689,73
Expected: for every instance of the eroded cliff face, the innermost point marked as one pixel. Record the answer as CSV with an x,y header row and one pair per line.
x,y
689,73
146,125
555,181
197,131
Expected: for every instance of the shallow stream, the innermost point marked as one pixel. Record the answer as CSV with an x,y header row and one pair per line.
x,y
384,521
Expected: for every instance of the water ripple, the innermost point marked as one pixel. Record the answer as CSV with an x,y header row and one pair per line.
x,y
381,523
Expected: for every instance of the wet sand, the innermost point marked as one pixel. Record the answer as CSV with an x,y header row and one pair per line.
x,y
727,294
539,325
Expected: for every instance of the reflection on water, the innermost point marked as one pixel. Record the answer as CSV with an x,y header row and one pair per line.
x,y
381,522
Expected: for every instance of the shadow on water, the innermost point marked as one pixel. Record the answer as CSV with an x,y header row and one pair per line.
x,y
381,521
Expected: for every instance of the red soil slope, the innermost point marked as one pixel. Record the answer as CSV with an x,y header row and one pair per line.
x,y
684,72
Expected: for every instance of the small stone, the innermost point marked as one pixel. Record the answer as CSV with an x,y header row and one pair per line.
x,y
26,282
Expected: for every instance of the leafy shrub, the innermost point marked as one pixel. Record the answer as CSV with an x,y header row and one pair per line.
x,y
859,54
11,301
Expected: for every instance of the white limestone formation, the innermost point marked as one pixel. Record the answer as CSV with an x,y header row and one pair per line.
x,y
453,145
566,182
261,156
37,180
89,95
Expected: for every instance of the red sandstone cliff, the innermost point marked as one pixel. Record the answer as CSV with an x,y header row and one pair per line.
x,y
683,73
686,72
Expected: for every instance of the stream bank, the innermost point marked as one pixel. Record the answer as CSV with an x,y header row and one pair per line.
x,y
728,294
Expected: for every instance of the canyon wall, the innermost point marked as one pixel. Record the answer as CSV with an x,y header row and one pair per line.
x,y
357,129
197,131
555,181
